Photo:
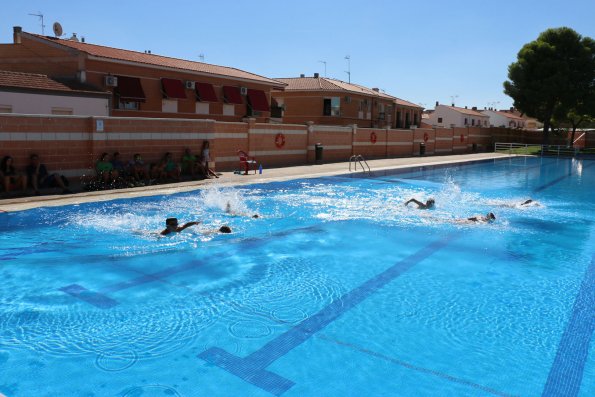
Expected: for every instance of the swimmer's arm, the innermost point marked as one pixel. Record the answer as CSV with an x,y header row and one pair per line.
x,y
186,225
165,232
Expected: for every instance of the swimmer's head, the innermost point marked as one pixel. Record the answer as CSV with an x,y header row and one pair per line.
x,y
491,217
173,222
224,229
430,203
255,216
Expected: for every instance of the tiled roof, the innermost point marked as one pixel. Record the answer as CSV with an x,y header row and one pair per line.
x,y
403,102
327,84
509,115
38,82
157,60
465,111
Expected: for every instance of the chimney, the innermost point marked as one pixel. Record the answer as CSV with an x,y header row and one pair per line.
x,y
485,108
474,108
437,103
465,107
16,35
302,75
82,39
316,75
376,89
74,38
452,104
511,109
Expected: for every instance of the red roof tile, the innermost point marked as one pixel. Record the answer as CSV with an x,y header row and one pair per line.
x,y
465,111
34,81
156,60
403,102
327,84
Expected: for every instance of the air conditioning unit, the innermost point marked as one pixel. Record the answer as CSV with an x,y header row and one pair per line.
x,y
244,90
189,84
111,81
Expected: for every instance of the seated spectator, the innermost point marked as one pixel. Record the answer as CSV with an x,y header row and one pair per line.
x,y
38,174
10,176
118,165
105,170
205,158
191,165
169,168
136,168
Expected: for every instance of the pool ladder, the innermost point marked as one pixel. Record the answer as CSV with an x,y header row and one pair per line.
x,y
358,158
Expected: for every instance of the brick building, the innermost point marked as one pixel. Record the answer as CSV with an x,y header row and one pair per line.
x,y
29,93
329,101
407,114
144,84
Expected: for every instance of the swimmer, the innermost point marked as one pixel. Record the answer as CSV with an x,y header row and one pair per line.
x,y
428,205
489,218
526,203
229,211
223,230
171,226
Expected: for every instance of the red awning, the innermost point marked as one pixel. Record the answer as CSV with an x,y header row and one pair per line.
x,y
232,94
129,89
173,88
206,92
258,100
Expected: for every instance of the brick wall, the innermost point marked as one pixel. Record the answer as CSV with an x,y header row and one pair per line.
x,y
72,144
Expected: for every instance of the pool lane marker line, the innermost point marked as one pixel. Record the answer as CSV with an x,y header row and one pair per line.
x,y
413,367
252,368
566,374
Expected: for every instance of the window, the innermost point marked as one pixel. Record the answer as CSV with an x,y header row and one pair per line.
x,y
440,119
202,108
205,92
229,110
472,121
128,105
169,106
332,106
232,95
62,111
258,100
466,121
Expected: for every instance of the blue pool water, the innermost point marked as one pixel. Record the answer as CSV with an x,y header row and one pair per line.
x,y
338,289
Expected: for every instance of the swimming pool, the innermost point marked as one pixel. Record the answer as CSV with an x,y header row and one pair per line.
x,y
338,289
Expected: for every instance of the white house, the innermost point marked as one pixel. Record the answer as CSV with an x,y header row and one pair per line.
x,y
500,118
452,116
29,93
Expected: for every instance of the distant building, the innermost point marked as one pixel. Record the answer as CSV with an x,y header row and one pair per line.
x,y
500,118
28,93
452,116
142,84
330,101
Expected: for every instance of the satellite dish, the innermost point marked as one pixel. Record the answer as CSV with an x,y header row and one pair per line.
x,y
57,29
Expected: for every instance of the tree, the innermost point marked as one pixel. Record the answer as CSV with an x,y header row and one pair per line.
x,y
552,75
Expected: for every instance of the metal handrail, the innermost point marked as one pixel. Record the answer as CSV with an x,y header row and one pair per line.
x,y
521,149
358,158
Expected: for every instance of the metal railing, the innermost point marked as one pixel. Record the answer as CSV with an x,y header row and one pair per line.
x,y
522,149
358,158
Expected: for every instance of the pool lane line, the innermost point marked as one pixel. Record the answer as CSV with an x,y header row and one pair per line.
x,y
567,370
101,300
558,180
417,368
252,368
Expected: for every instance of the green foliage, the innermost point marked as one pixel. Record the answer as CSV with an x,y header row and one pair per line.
x,y
554,76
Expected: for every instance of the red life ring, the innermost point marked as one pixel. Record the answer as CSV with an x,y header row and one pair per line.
x,y
426,137
373,137
462,138
279,140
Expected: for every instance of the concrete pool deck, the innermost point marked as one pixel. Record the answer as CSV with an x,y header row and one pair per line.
x,y
231,179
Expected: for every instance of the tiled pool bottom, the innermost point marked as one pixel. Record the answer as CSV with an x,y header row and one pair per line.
x,y
338,290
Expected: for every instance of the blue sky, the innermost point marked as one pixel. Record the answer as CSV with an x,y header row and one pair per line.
x,y
419,51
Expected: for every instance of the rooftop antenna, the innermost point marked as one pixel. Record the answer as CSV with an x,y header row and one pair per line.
x,y
348,71
324,67
493,104
201,56
452,99
40,16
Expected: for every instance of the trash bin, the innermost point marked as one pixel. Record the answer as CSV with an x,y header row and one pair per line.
x,y
474,148
422,148
318,150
